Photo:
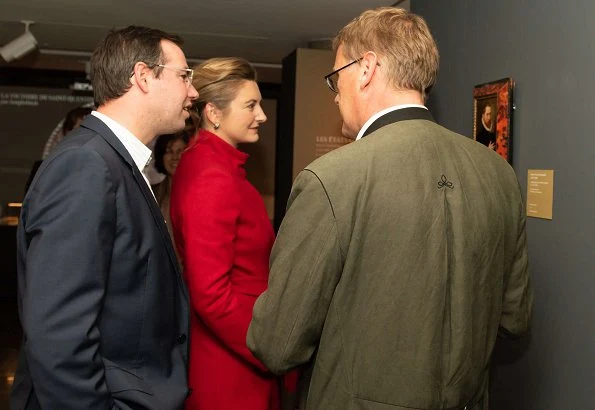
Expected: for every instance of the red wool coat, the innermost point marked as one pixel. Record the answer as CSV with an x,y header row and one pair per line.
x,y
224,238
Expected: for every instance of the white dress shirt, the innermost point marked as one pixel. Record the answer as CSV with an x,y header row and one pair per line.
x,y
140,153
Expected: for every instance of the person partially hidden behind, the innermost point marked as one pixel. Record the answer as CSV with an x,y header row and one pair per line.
x,y
167,152
73,119
397,263
484,133
102,303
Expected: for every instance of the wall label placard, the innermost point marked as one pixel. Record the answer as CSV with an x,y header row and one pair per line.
x,y
540,193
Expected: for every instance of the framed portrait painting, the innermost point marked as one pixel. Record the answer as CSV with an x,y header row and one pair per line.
x,y
492,116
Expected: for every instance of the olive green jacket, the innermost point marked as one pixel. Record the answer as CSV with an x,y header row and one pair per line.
x,y
400,258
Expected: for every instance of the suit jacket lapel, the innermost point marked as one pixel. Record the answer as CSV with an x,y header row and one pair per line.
x,y
95,124
411,113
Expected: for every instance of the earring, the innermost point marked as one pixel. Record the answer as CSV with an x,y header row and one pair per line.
x,y
216,125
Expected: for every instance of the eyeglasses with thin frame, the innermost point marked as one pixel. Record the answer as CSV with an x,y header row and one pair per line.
x,y
187,76
332,78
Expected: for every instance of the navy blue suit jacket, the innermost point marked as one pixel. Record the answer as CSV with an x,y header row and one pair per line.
x,y
102,302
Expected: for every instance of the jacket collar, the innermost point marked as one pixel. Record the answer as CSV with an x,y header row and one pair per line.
x,y
411,113
95,124
98,126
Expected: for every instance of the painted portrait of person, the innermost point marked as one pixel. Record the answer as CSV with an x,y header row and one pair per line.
x,y
485,123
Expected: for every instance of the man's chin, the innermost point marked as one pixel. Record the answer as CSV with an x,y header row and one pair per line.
x,y
182,122
173,128
348,132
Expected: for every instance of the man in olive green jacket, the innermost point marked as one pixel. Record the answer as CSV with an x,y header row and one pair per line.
x,y
402,255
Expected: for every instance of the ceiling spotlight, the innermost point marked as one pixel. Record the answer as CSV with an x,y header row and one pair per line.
x,y
20,46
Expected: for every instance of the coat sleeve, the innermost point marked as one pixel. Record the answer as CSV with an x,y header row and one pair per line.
x,y
67,233
306,265
518,297
210,208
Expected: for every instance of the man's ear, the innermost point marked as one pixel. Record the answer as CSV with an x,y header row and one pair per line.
x,y
368,66
140,74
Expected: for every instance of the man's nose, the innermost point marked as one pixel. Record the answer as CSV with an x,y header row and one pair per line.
x,y
192,93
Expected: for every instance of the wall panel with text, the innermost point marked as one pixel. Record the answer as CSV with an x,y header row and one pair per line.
x,y
310,123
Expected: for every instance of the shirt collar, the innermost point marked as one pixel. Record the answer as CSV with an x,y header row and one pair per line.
x,y
383,112
140,153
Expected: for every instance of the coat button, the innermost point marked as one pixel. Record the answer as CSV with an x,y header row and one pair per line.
x,y
182,339
188,393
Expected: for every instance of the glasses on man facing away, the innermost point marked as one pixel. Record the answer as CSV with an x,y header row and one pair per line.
x,y
332,78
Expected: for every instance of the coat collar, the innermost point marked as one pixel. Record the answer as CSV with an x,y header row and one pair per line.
x,y
411,113
95,124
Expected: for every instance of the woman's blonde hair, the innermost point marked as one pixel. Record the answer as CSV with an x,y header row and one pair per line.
x,y
402,41
217,81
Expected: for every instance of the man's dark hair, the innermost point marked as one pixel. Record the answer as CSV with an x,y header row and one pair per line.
x,y
112,62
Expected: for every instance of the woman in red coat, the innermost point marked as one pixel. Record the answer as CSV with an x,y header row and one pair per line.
x,y
224,238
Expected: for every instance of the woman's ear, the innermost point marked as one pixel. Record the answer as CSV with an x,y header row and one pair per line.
x,y
212,113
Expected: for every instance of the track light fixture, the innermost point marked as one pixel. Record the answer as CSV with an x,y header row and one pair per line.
x,y
20,46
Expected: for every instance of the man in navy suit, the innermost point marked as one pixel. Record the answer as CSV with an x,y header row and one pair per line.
x,y
101,300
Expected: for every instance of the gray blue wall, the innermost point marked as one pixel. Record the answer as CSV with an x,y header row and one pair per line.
x,y
548,48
